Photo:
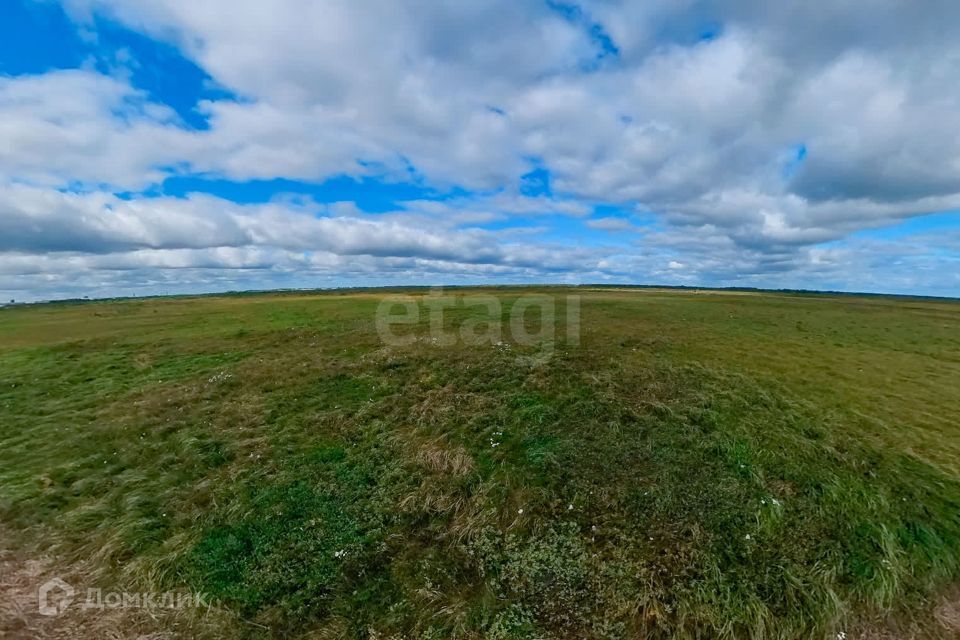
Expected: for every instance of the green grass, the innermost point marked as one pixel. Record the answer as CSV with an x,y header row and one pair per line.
x,y
700,465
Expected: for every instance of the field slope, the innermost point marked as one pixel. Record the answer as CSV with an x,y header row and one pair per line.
x,y
701,464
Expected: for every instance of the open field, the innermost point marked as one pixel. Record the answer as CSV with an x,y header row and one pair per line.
x,y
701,464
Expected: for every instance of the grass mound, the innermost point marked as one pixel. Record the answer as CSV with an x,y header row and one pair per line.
x,y
700,465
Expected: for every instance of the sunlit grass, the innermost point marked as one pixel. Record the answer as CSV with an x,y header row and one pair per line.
x,y
700,465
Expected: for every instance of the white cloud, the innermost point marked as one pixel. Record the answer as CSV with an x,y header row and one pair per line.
x,y
79,125
612,224
46,231
701,132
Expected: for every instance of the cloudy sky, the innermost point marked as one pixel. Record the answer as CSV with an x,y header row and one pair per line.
x,y
165,146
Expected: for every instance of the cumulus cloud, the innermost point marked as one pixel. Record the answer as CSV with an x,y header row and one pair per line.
x,y
80,125
46,231
757,137
33,218
611,224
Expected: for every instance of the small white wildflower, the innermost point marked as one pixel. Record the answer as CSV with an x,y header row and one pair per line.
x,y
841,635
748,536
340,553
520,511
569,507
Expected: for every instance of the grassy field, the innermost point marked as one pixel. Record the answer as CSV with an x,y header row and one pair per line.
x,y
701,464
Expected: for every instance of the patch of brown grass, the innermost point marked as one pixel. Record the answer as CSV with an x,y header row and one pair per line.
x,y
939,620
947,612
440,457
21,577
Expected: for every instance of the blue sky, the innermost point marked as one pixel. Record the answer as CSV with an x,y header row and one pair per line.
x,y
177,146
36,37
